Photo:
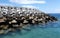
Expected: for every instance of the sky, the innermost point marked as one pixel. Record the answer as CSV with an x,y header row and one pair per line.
x,y
47,6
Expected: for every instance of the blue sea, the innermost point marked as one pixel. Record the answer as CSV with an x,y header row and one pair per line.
x,y
49,30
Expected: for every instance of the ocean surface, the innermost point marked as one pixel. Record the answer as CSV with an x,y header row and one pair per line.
x,y
49,30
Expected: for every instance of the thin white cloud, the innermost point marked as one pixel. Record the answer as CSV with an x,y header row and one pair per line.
x,y
29,6
28,1
57,10
3,4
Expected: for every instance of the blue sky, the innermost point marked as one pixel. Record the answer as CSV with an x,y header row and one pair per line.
x,y
48,6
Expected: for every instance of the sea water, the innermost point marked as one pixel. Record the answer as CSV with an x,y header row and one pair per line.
x,y
50,30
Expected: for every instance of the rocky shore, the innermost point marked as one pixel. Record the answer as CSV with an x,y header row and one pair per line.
x,y
12,18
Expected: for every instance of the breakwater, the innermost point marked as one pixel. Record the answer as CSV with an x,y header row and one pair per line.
x,y
12,18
